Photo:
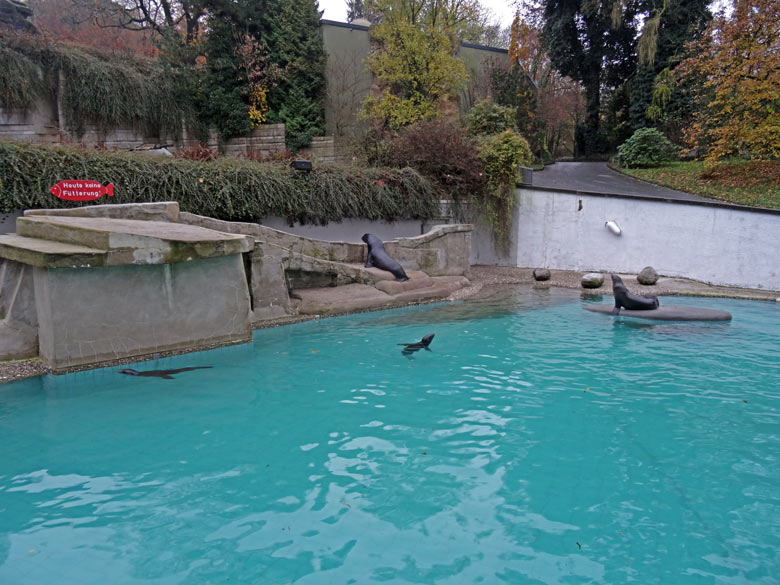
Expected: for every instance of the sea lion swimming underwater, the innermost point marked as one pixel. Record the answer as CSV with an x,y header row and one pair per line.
x,y
378,256
625,299
166,374
410,348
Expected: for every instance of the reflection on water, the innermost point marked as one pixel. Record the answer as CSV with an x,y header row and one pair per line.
x,y
492,302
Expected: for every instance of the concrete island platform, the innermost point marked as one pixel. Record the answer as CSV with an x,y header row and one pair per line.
x,y
98,283
665,313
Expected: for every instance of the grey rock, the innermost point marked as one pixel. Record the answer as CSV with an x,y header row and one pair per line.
x,y
648,276
541,274
592,280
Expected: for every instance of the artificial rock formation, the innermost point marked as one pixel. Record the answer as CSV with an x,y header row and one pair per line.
x,y
100,282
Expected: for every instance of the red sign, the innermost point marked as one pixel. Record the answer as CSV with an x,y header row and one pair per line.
x,y
81,190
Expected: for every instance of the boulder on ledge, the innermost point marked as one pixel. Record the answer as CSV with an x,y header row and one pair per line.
x,y
541,274
648,276
592,280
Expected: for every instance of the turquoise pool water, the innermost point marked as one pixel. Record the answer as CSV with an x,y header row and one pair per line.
x,y
536,444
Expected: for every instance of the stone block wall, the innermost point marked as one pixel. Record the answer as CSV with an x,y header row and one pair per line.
x,y
44,125
321,149
38,126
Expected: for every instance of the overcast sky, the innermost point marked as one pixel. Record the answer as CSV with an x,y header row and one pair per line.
x,y
502,10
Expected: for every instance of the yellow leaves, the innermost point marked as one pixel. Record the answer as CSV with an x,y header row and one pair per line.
x,y
416,66
258,106
398,111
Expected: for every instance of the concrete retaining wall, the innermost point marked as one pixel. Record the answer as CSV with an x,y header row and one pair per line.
x,y
38,126
44,125
351,230
710,242
97,314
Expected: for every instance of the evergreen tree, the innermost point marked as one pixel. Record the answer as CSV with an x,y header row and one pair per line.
x,y
266,62
296,48
355,10
670,25
220,95
591,41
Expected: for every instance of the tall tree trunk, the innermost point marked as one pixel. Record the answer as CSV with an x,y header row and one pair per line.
x,y
590,138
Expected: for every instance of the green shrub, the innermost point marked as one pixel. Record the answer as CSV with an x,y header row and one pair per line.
x,y
228,188
502,155
647,147
487,117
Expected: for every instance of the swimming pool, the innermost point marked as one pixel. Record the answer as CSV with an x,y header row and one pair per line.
x,y
535,443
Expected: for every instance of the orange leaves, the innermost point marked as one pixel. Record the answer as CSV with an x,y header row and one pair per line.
x,y
737,65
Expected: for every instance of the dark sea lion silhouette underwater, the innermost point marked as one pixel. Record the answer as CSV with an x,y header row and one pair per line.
x,y
410,348
166,374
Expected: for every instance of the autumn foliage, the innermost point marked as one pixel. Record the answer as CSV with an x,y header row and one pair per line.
x,y
737,69
67,21
557,102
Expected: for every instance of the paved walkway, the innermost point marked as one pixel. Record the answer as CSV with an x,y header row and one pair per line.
x,y
597,177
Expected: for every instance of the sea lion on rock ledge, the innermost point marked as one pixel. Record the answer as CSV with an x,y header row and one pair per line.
x,y
378,256
623,298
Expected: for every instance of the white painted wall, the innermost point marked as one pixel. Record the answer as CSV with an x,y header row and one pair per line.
x,y
715,244
351,230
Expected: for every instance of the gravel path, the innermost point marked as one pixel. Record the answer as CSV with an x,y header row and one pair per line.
x,y
482,279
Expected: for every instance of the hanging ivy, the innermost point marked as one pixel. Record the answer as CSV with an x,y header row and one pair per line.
x,y
106,91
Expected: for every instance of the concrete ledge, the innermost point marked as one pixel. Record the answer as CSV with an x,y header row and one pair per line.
x,y
130,241
417,280
17,341
434,233
162,211
45,253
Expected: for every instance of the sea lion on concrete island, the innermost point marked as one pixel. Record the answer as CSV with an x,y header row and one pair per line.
x,y
625,299
378,256
167,374
410,348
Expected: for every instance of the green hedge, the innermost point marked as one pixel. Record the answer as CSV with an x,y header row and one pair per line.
x,y
229,188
